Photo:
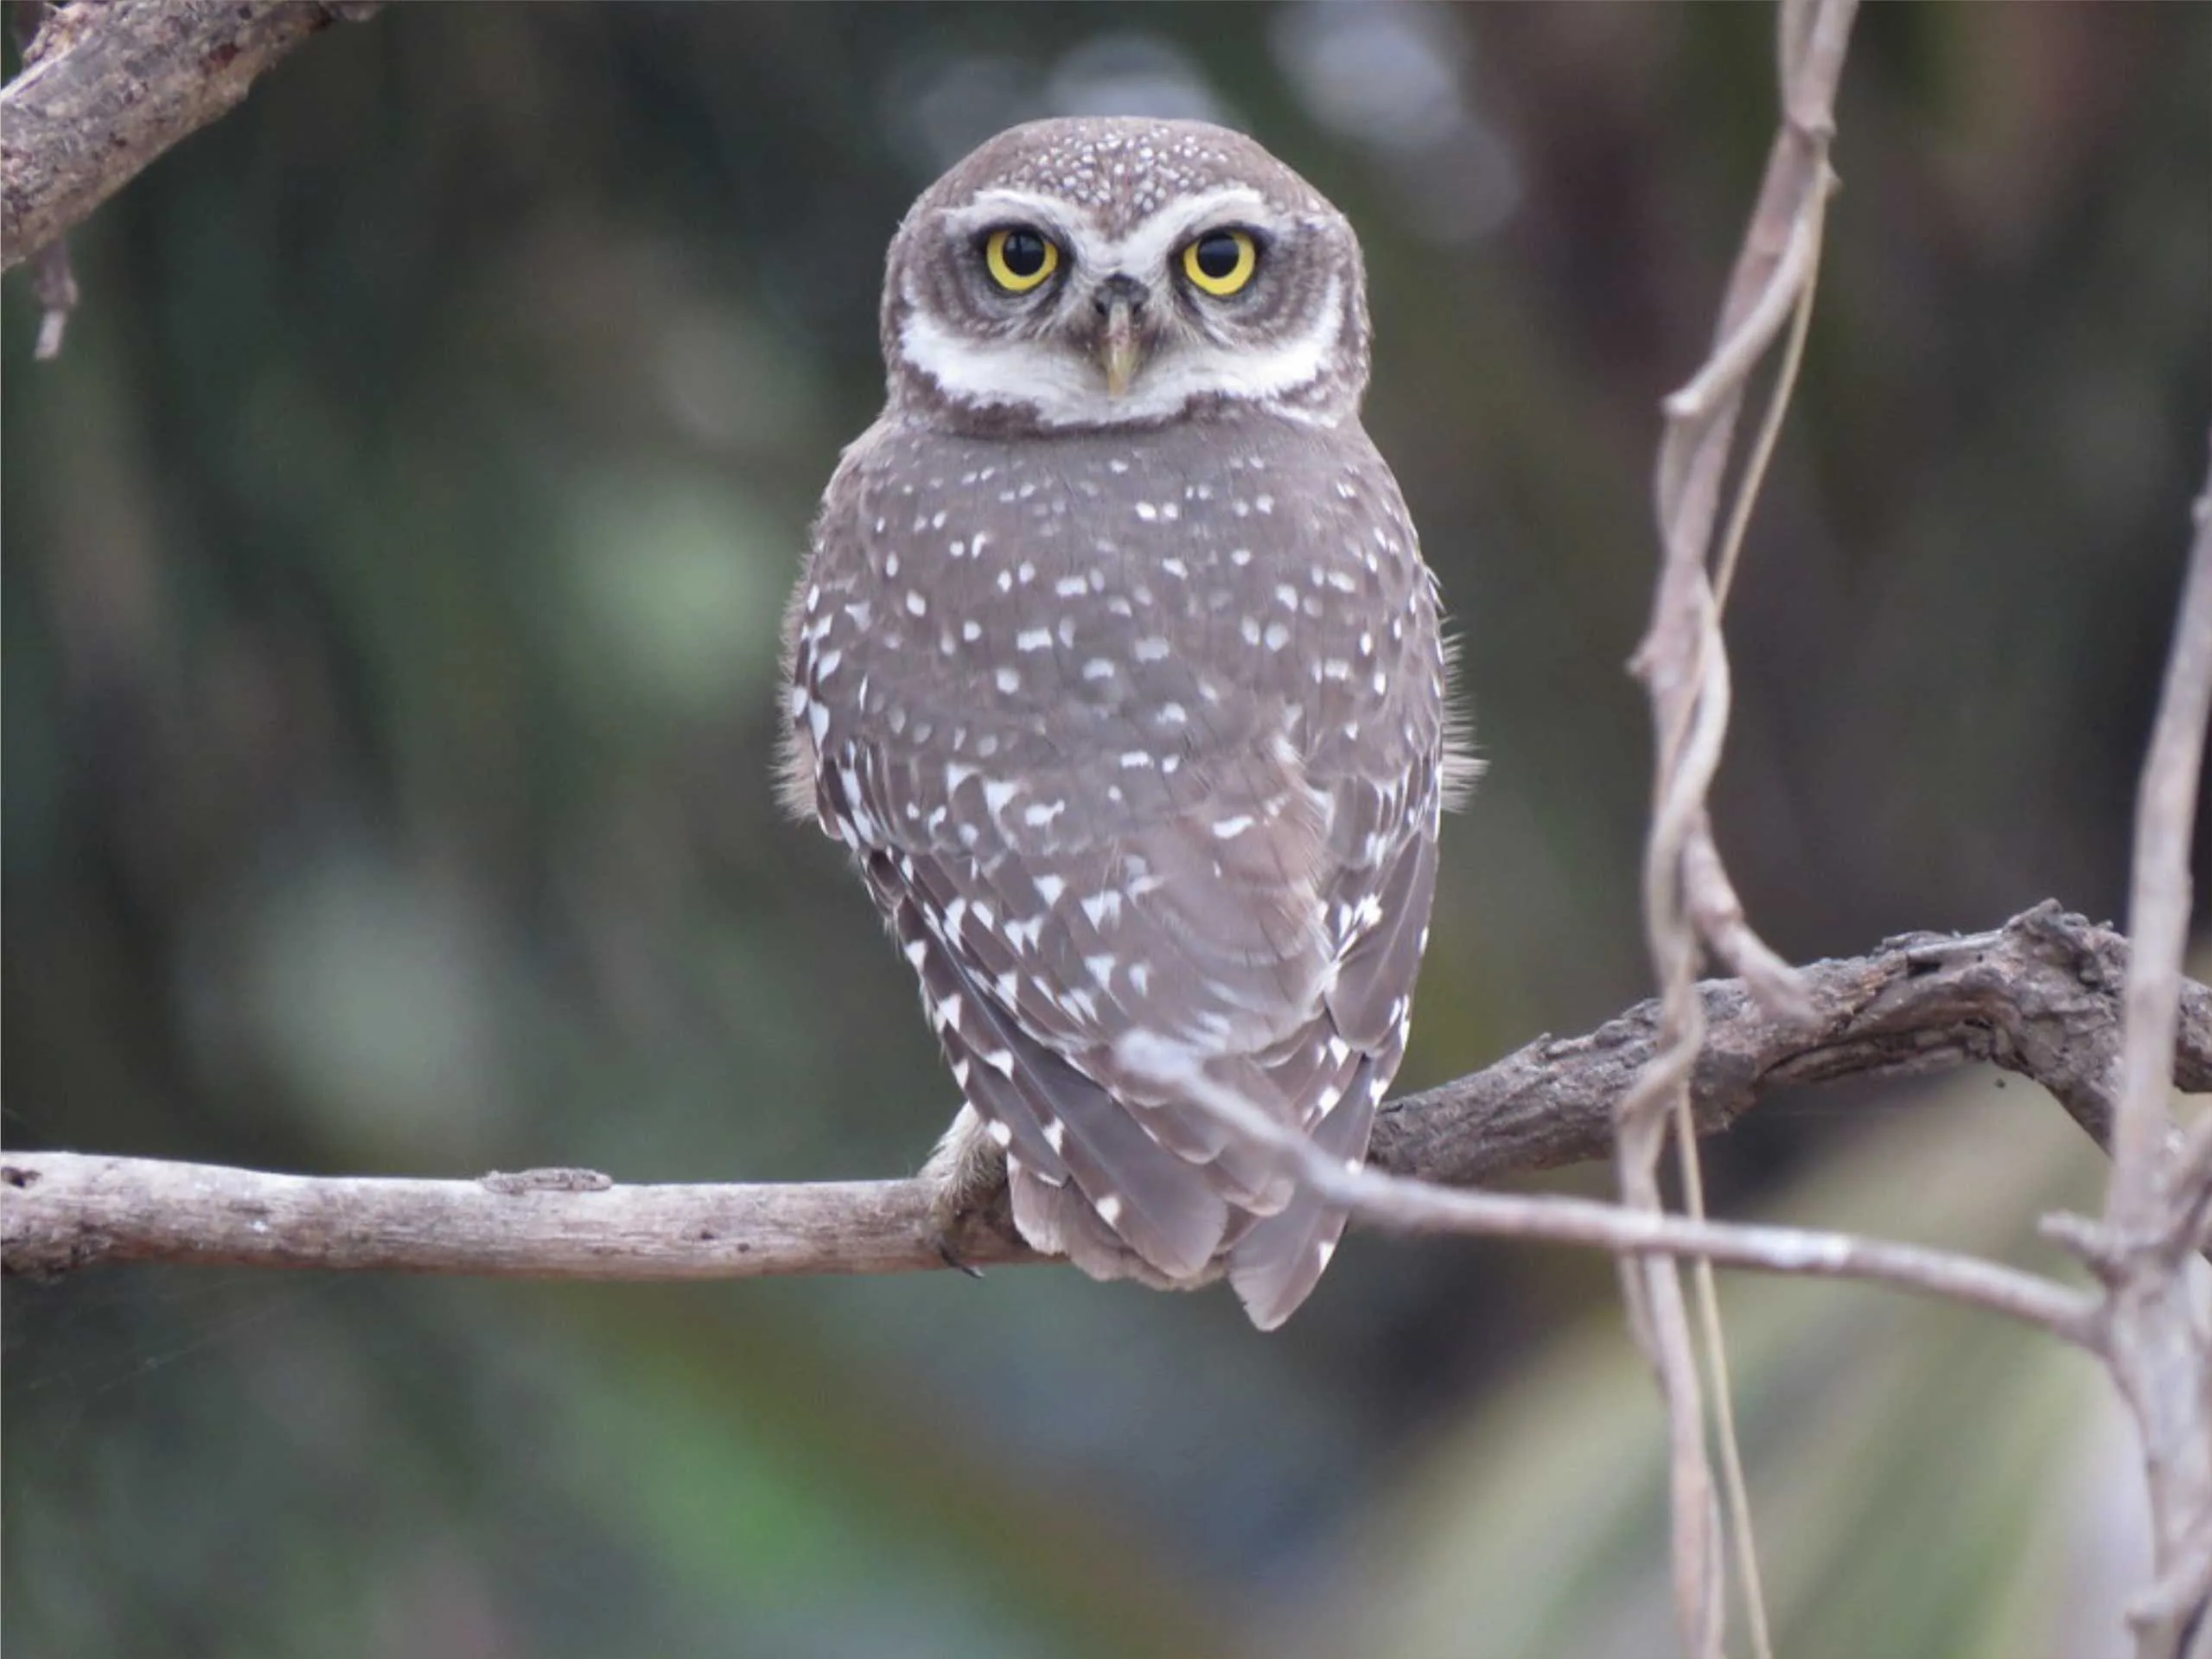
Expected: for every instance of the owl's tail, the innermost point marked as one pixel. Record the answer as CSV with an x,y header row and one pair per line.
x,y
1274,1267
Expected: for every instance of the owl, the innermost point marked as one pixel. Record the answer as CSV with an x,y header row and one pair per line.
x,y
1116,666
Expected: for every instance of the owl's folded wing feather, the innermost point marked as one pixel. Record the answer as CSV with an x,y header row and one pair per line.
x,y
1094,993
1144,774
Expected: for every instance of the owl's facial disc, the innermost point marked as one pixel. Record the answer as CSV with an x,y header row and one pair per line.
x,y
1036,305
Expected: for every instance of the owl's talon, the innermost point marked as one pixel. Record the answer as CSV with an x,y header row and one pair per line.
x,y
951,1257
968,1175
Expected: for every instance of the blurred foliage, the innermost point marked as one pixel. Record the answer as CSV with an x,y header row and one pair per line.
x,y
394,563
1916,1476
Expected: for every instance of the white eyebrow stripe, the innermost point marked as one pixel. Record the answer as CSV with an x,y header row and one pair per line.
x,y
1055,214
1143,253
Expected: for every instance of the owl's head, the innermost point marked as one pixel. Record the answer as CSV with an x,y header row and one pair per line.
x,y
1100,272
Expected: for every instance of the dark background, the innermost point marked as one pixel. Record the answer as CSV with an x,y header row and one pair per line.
x,y
394,563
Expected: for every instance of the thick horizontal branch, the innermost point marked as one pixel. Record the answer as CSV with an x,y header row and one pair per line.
x,y
2036,996
107,89
2040,996
60,1210
569,1224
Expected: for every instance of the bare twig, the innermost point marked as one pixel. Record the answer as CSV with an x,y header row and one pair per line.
x,y
2159,899
1416,1206
107,89
2159,905
1689,901
2154,1339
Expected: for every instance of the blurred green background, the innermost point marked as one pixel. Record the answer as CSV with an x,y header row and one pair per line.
x,y
393,563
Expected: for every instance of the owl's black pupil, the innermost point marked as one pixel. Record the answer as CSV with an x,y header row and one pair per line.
x,y
1022,252
1218,254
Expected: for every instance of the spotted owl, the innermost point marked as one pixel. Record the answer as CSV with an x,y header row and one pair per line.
x,y
1116,666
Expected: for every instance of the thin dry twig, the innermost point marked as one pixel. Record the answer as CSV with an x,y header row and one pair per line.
x,y
2154,1338
1689,901
2159,905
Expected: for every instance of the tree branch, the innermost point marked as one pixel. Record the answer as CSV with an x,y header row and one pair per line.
x,y
67,1210
60,1210
106,88
2039,996
2152,1331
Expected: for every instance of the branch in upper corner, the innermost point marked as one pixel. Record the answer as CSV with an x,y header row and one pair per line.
x,y
53,278
105,89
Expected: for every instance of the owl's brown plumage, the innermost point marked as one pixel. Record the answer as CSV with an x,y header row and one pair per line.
x,y
1116,666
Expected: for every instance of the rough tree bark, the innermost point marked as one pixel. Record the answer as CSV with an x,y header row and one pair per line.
x,y
106,87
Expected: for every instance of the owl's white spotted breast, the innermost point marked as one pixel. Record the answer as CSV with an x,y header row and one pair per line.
x,y
1167,602
1159,710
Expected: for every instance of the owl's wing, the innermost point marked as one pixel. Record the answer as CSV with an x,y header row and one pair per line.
x,y
1135,874
1275,1265
1094,990
1082,983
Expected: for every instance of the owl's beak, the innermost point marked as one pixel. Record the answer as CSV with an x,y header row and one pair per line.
x,y
1120,304
1119,352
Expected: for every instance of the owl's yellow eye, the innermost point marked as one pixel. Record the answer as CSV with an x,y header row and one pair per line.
x,y
1220,262
1018,258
